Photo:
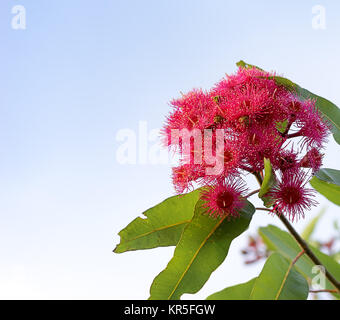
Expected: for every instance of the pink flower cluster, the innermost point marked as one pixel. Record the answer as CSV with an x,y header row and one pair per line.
x,y
226,132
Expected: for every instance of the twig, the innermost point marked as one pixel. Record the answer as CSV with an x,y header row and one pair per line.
x,y
302,243
258,178
251,193
264,209
308,251
294,135
246,168
324,290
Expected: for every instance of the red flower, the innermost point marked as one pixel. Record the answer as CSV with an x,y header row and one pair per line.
x,y
313,128
313,159
192,111
184,176
247,117
287,161
224,198
259,143
291,197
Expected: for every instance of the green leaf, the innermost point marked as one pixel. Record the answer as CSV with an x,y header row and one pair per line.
x,y
336,256
239,292
203,246
279,280
282,242
162,226
327,182
243,64
268,181
282,126
309,229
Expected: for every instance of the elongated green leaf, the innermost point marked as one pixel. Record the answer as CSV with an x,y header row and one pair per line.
x,y
328,109
282,242
268,181
203,246
243,64
327,182
239,292
163,225
309,229
336,257
279,280
329,175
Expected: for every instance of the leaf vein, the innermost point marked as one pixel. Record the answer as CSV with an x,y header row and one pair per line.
x,y
194,257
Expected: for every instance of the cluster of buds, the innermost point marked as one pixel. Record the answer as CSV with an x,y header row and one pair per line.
x,y
226,132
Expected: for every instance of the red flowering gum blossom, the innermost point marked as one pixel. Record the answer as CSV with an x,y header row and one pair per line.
x,y
224,198
184,175
250,97
226,132
313,129
291,196
259,143
194,110
313,159
287,161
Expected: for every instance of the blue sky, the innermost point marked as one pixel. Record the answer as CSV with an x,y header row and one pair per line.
x,y
83,70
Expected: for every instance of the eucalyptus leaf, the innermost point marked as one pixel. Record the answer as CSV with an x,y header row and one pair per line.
x,y
327,182
243,64
203,246
238,292
309,229
163,225
282,242
279,280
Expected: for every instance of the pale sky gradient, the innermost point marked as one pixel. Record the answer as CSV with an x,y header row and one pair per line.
x,y
81,71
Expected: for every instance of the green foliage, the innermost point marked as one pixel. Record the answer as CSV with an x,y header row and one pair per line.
x,y
309,229
163,225
268,181
282,242
239,292
202,243
327,182
243,64
202,248
282,126
279,280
